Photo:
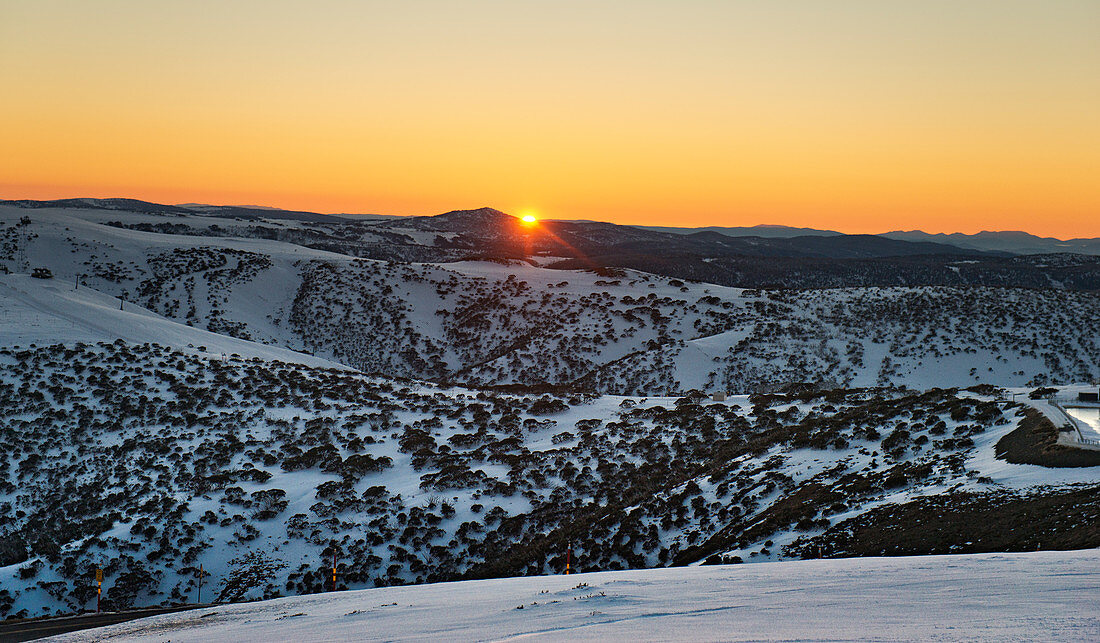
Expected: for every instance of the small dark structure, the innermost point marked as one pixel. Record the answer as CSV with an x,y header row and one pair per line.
x,y
1088,396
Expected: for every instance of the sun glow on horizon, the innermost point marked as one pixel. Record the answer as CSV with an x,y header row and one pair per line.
x,y
529,219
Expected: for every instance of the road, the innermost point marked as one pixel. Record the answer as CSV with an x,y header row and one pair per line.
x,y
31,629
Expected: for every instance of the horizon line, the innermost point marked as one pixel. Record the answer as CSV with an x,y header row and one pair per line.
x,y
192,204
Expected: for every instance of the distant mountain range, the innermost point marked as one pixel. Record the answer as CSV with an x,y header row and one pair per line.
x,y
758,240
145,207
1016,242
1009,241
765,230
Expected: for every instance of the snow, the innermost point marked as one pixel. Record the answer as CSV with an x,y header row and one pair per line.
x,y
60,229
711,356
51,311
984,461
999,597
1088,420
735,341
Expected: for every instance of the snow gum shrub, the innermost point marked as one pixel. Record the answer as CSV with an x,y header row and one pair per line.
x,y
30,570
356,466
333,489
13,549
297,525
546,405
326,456
985,389
894,444
245,532
269,503
253,573
564,436
722,559
959,412
132,581
694,396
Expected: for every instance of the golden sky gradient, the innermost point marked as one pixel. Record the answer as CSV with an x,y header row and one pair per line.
x,y
860,116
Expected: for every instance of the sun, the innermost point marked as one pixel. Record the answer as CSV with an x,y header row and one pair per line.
x,y
529,219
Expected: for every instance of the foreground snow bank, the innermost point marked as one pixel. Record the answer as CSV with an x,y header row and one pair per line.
x,y
1034,596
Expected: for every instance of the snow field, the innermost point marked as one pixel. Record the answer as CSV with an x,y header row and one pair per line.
x,y
1039,596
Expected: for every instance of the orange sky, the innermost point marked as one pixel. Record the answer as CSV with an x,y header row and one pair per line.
x,y
855,116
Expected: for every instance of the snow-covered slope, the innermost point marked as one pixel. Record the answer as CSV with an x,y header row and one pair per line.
x,y
624,332
150,461
992,597
51,311
155,417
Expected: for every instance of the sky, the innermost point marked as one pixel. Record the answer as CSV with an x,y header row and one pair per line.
x,y
857,116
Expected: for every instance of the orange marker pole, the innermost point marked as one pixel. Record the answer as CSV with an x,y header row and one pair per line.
x,y
568,556
99,588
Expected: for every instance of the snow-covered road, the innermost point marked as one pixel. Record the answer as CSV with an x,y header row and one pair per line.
x,y
1041,596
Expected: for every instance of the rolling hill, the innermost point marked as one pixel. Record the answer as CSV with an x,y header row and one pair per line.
x,y
497,321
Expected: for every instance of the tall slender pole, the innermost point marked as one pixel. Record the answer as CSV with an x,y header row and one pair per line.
x,y
334,569
568,556
199,599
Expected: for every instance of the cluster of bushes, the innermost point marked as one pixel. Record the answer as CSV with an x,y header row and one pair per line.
x,y
148,459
